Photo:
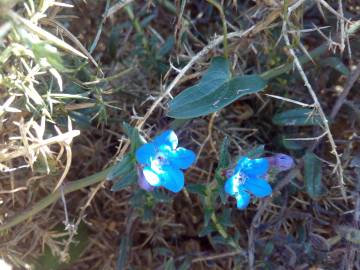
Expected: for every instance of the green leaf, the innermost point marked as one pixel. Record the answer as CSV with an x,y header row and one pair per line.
x,y
136,139
312,174
127,180
50,261
206,230
224,159
290,144
123,252
163,251
197,188
185,265
225,218
205,98
160,196
167,47
336,64
350,234
121,168
256,152
297,117
269,248
170,265
217,74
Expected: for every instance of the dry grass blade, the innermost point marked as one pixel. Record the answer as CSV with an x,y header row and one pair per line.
x,y
46,35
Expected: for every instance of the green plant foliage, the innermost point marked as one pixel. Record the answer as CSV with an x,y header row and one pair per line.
x,y
128,180
136,139
170,264
337,64
126,168
350,234
122,168
290,144
49,261
297,117
123,252
215,90
312,174
224,159
256,152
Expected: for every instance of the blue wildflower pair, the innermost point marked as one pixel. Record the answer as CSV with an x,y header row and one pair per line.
x,y
162,162
249,177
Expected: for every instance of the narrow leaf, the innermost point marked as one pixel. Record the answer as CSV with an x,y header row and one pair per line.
x,y
121,168
337,64
123,253
136,139
170,265
350,234
312,174
126,181
224,159
297,117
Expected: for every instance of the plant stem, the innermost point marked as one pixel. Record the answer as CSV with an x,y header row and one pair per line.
x,y
53,197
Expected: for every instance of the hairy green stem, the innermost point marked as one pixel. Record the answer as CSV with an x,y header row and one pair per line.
x,y
53,197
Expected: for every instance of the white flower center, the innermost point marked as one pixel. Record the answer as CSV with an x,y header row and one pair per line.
x,y
240,178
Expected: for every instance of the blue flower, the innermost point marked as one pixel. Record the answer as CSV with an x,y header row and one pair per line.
x,y
162,161
247,179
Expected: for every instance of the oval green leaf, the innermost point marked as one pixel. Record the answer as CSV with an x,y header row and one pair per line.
x,y
217,74
203,99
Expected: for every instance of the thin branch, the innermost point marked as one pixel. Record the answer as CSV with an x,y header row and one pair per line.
x,y
317,106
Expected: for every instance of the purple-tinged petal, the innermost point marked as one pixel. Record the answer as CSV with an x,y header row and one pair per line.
x,y
253,167
259,187
145,152
281,162
242,199
172,179
168,137
182,158
143,183
152,177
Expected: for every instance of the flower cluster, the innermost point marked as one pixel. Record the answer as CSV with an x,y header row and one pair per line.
x,y
249,177
162,162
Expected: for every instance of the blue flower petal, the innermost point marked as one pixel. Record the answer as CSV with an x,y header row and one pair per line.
x,y
152,177
182,158
145,152
259,187
242,199
232,185
168,137
253,167
172,179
